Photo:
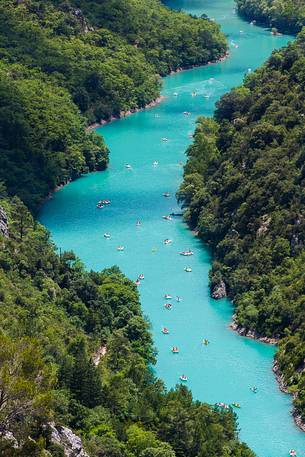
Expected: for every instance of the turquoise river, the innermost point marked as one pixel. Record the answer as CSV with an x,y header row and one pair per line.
x,y
224,370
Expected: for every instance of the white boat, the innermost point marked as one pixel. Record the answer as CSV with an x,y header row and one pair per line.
x,y
106,235
129,167
186,253
175,94
186,113
188,269
164,139
168,296
167,218
183,378
155,163
292,453
167,241
120,248
141,276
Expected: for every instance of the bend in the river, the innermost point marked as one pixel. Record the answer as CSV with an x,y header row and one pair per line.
x,y
224,370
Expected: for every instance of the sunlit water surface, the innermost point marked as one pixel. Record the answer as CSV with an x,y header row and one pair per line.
x,y
224,370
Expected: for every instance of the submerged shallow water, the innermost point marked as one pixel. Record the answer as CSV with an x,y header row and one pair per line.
x,y
224,370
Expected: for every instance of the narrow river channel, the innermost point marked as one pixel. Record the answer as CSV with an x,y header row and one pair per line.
x,y
224,370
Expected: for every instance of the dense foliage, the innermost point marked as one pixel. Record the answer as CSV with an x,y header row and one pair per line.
x,y
288,16
58,72
42,137
168,39
244,191
75,349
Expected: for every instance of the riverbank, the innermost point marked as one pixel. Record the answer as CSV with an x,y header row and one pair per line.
x,y
155,102
242,331
284,388
125,114
192,67
252,334
226,368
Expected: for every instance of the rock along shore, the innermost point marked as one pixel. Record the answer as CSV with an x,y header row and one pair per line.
x,y
276,369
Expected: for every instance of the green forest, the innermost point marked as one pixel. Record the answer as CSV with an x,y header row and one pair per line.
x,y
243,191
60,71
75,348
55,317
288,16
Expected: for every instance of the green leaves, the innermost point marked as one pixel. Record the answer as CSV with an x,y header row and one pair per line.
x,y
286,15
25,383
243,190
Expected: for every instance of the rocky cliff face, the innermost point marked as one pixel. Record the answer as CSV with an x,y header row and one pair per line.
x,y
3,223
219,290
71,443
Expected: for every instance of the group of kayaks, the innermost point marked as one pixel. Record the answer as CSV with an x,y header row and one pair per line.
x,y
102,203
139,279
107,235
225,406
165,331
237,405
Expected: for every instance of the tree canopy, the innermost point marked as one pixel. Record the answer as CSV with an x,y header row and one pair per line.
x,y
243,190
76,349
288,16
62,68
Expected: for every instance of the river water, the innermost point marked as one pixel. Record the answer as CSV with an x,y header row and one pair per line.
x,y
224,370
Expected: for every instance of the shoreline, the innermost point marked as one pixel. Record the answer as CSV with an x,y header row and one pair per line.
x,y
155,102
234,326
284,388
123,114
210,62
251,334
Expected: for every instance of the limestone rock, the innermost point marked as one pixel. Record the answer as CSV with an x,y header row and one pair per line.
x,y
101,351
219,290
3,223
264,225
72,444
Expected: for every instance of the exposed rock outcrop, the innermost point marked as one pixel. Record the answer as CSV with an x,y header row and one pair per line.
x,y
82,21
264,225
101,351
72,444
8,436
3,223
283,387
219,290
250,333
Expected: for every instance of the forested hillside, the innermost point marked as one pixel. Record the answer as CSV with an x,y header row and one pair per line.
x,y
168,39
244,191
75,350
288,16
60,71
